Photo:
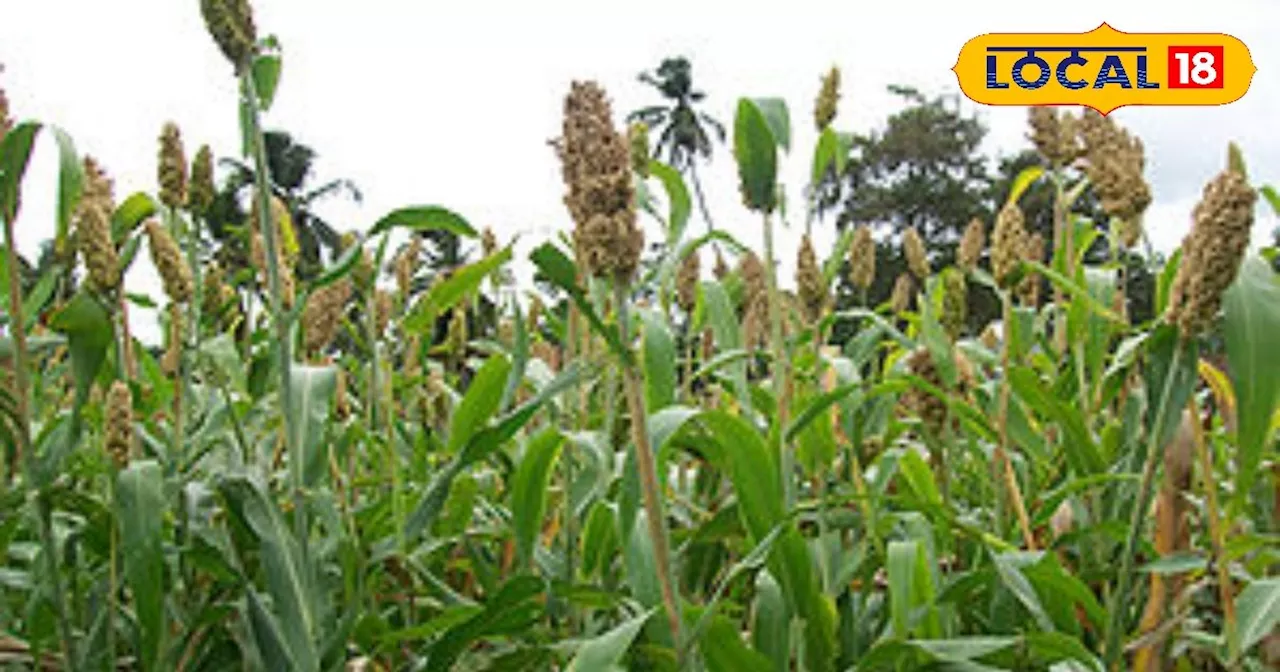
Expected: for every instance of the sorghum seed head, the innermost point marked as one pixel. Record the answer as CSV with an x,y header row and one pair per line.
x,y
169,263
955,306
1114,164
917,258
93,238
1006,244
1054,135
201,191
862,258
975,238
810,284
931,410
1212,252
1033,249
211,290
286,238
903,289
172,173
596,168
257,251
98,186
406,265
638,140
119,423
323,314
230,24
824,108
383,305
755,298
488,242
535,313
172,358
687,281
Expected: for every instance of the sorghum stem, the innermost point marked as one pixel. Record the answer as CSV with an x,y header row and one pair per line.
x,y
1002,455
1119,606
278,317
648,476
18,330
1216,536
779,369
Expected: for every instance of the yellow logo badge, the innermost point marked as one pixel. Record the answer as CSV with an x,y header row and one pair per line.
x,y
1104,69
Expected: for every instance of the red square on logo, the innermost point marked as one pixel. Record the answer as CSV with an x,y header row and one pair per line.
x,y
1195,67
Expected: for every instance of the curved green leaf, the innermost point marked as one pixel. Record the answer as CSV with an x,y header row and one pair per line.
x,y
755,148
529,489
1252,320
424,218
681,206
605,651
141,508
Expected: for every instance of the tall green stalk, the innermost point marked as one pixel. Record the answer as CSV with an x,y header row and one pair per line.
x,y
779,372
22,433
1119,602
648,476
279,319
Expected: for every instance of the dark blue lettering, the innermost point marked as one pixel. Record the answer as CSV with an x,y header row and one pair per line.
x,y
1074,59
1030,59
1142,75
1106,76
992,81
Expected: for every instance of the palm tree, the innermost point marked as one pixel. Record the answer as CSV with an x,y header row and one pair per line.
x,y
684,136
290,163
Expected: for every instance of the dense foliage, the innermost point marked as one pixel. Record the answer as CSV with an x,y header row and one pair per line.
x,y
389,458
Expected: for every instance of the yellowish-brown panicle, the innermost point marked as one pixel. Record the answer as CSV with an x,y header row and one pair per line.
x,y
903,289
383,304
596,167
200,192
990,339
827,103
931,410
1114,161
93,228
534,318
119,423
322,316
862,258
406,265
1054,135
687,281
1006,244
1033,249
971,244
913,249
955,304
230,24
172,173
1212,252
169,263
93,237
755,299
811,286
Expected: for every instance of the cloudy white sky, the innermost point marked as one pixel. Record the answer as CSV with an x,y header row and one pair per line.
x,y
452,103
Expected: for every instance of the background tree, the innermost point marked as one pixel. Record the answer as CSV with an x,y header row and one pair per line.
x,y
291,164
682,130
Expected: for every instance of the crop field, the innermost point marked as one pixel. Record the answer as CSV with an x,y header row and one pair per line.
x,y
1032,448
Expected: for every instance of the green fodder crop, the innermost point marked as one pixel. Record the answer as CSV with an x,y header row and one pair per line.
x,y
392,464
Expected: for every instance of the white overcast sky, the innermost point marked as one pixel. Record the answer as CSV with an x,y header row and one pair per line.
x,y
452,103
